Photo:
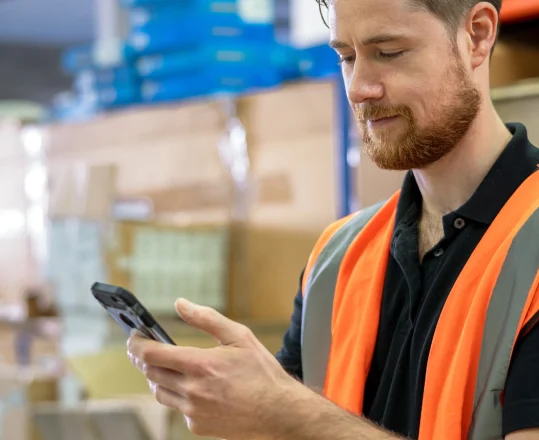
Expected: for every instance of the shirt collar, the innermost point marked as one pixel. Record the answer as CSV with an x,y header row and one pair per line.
x,y
518,161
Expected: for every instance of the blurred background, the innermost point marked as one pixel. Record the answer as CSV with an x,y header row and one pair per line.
x,y
191,148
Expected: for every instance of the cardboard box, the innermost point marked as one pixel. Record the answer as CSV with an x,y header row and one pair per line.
x,y
289,133
136,418
162,261
85,191
513,62
520,103
153,149
374,185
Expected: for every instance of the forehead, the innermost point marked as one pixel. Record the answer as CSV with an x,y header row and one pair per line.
x,y
367,17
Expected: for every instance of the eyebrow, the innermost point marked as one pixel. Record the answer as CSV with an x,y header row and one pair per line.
x,y
378,39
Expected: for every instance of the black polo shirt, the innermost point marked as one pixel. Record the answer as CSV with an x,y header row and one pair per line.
x,y
415,293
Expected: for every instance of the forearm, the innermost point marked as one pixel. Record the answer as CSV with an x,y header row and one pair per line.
x,y
309,416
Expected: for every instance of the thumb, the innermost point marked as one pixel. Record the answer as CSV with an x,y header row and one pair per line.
x,y
210,321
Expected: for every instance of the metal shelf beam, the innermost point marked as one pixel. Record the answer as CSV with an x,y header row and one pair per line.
x,y
345,173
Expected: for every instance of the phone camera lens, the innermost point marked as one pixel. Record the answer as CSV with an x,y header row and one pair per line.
x,y
127,320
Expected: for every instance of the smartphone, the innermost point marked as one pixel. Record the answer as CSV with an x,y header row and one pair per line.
x,y
128,312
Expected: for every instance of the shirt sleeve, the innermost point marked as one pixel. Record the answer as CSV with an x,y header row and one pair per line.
x,y
521,394
290,354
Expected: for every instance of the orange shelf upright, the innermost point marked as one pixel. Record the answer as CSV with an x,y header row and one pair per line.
x,y
517,10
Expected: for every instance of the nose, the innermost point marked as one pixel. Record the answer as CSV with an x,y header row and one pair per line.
x,y
363,86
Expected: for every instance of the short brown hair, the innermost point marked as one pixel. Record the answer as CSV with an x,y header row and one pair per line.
x,y
450,12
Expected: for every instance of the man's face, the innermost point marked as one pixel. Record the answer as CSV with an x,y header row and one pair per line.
x,y
412,94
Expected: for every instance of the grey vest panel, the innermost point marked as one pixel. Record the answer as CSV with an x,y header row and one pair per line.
x,y
503,316
318,299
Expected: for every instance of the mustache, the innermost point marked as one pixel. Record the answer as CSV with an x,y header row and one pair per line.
x,y
373,112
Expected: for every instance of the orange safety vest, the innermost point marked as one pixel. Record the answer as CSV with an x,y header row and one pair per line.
x,y
494,300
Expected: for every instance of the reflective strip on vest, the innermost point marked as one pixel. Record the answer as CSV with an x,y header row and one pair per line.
x,y
318,300
519,270
503,315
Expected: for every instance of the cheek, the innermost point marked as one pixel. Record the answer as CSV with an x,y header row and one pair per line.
x,y
423,98
441,95
347,71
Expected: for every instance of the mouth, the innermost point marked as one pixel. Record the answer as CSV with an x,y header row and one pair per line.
x,y
380,122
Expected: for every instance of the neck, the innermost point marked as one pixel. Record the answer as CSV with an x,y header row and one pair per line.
x,y
450,182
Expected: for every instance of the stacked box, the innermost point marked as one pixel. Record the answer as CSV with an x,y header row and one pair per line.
x,y
206,47
161,28
183,49
95,87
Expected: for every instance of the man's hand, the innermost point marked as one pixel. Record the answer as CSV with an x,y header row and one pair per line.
x,y
228,391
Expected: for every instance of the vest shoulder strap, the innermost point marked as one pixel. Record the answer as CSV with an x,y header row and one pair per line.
x,y
320,279
326,236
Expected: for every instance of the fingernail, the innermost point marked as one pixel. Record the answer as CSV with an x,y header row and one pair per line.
x,y
186,306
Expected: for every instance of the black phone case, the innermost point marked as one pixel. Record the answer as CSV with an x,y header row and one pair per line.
x,y
128,312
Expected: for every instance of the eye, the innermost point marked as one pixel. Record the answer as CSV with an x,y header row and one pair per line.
x,y
390,55
346,59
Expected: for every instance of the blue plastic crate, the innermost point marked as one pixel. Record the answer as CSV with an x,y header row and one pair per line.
x,y
171,90
157,39
75,106
95,78
209,83
120,96
69,107
173,12
160,3
110,97
77,58
82,58
260,11
133,3
319,61
248,55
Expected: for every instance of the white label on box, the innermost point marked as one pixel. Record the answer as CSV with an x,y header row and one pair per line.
x,y
167,264
256,11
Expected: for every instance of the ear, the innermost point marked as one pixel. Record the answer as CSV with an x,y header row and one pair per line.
x,y
481,27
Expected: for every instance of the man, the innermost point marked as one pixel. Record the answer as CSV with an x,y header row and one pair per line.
x,y
416,318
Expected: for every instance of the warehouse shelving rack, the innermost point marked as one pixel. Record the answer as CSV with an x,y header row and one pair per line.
x,y
344,147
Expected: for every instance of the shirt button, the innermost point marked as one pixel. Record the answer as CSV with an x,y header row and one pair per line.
x,y
459,223
438,252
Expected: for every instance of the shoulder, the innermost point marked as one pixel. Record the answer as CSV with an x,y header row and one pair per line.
x,y
352,224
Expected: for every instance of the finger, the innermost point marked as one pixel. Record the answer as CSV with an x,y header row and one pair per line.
x,y
137,339
134,360
210,321
146,352
167,398
168,379
135,332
